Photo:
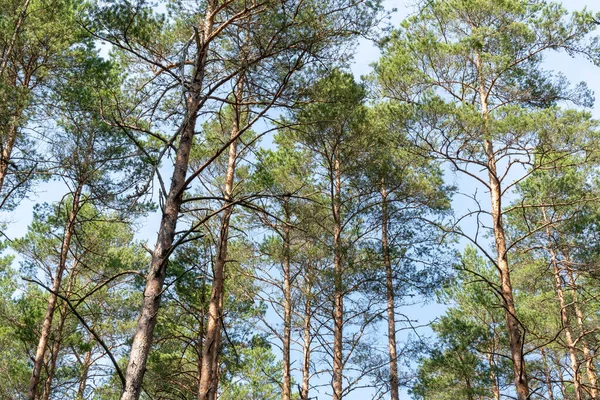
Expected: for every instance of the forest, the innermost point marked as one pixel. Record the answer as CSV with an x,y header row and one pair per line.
x,y
201,199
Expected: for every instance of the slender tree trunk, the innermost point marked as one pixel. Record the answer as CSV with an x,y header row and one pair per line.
x,y
200,337
87,362
547,375
58,337
512,322
7,147
53,296
514,327
564,317
287,312
338,295
306,347
12,131
54,355
589,359
13,40
210,359
563,387
493,376
142,339
391,308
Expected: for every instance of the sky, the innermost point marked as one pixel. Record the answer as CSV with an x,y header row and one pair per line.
x,y
575,69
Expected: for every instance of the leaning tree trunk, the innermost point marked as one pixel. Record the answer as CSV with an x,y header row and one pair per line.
x,y
338,295
53,297
142,339
208,384
391,308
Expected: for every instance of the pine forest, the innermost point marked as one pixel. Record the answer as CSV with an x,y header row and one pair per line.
x,y
299,200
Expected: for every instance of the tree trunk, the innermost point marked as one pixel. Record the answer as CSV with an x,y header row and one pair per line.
x,y
208,385
391,309
307,340
338,295
7,147
142,339
563,387
287,312
512,322
87,362
58,338
513,325
13,39
53,297
547,375
200,336
589,359
493,376
564,317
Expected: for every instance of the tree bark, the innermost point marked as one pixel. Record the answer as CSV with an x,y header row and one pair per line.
x,y
208,385
338,296
142,339
53,296
391,308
